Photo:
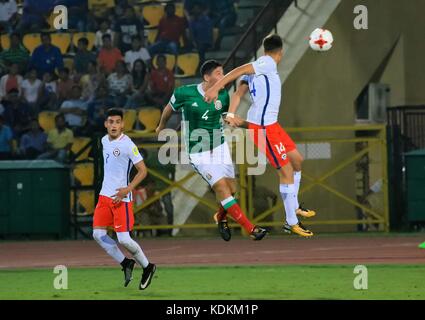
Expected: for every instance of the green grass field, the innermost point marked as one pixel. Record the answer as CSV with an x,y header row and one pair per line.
x,y
220,283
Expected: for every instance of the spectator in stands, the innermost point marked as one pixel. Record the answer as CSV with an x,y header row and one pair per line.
x,y
83,57
65,84
8,15
12,80
59,141
104,29
75,110
30,91
46,57
223,14
33,143
137,52
91,81
170,29
108,55
17,53
17,113
97,108
6,137
201,30
47,95
127,27
161,83
35,14
120,84
140,84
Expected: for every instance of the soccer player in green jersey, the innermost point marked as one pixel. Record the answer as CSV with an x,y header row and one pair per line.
x,y
208,152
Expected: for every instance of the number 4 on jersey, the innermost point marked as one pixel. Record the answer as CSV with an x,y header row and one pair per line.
x,y
205,115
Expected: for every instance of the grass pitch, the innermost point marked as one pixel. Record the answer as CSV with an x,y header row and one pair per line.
x,y
220,283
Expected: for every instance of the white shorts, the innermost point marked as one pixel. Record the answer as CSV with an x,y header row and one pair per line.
x,y
213,165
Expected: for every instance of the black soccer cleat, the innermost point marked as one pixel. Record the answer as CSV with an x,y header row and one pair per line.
x,y
223,228
127,267
147,276
258,233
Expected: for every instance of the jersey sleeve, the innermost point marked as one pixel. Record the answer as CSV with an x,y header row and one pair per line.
x,y
263,65
133,153
177,99
245,79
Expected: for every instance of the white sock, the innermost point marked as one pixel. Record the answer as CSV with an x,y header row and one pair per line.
x,y
133,247
287,191
107,243
297,182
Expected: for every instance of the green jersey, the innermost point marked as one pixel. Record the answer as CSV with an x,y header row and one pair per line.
x,y
202,121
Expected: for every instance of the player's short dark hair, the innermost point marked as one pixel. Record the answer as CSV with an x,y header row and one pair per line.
x,y
114,112
84,41
209,66
272,42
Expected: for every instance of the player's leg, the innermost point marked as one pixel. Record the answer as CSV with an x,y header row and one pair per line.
x,y
296,160
102,219
124,222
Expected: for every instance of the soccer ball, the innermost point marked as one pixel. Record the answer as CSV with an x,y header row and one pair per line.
x,y
321,40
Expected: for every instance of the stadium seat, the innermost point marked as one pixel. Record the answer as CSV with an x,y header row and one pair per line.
x,y
100,7
171,61
179,9
68,63
84,173
152,35
149,117
130,117
91,37
62,41
31,41
153,14
188,63
86,199
5,41
78,144
46,120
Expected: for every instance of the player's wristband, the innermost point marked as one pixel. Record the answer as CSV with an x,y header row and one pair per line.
x,y
230,115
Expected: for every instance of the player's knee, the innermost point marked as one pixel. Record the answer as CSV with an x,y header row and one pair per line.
x,y
124,239
98,234
221,188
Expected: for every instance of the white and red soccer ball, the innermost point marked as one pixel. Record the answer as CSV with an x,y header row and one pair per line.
x,y
321,40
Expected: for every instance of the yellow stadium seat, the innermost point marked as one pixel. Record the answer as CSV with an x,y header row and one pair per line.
x,y
101,3
171,61
130,117
152,35
46,120
188,63
179,9
84,172
5,41
86,198
153,14
78,144
62,41
90,36
31,41
68,63
149,117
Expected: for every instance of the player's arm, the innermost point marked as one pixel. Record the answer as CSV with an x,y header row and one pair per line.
x,y
141,174
232,119
166,115
212,93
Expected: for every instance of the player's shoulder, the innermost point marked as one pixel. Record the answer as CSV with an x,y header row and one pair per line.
x,y
187,89
266,61
104,139
125,139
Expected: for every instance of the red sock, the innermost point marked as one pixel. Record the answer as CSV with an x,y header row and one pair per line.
x,y
236,212
221,213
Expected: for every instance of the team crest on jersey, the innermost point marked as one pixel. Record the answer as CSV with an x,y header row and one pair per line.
x,y
218,105
116,152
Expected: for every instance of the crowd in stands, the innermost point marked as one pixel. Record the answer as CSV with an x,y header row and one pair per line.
x,y
119,69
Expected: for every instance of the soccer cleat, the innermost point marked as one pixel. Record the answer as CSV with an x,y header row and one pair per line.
x,y
223,228
128,266
422,245
147,276
258,233
298,229
304,212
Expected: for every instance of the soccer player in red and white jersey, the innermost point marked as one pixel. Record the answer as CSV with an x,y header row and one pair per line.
x,y
261,79
115,208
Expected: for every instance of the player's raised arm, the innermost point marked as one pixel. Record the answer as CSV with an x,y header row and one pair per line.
x,y
235,100
166,115
212,93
